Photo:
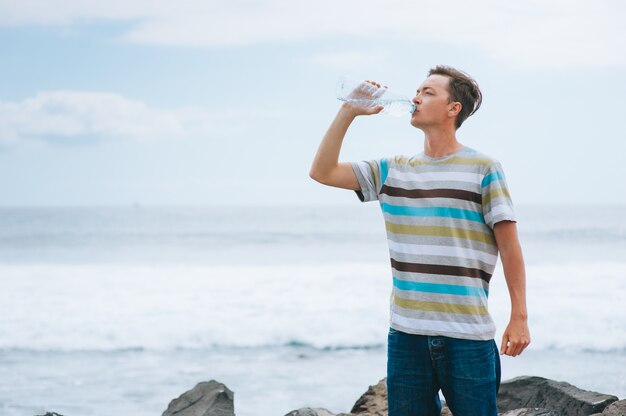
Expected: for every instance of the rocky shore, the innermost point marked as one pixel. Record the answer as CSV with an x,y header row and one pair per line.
x,y
520,396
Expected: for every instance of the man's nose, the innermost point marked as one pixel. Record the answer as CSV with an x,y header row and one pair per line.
x,y
416,100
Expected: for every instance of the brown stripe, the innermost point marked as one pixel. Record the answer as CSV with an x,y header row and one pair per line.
x,y
439,269
432,193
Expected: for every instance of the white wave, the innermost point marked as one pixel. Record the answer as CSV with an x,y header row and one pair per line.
x,y
578,306
106,307
58,307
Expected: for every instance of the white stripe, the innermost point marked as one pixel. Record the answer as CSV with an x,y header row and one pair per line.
x,y
450,251
366,171
443,326
473,178
498,210
369,193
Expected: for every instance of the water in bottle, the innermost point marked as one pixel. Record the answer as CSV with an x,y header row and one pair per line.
x,y
364,94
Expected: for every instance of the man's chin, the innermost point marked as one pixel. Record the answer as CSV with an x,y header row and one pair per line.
x,y
413,120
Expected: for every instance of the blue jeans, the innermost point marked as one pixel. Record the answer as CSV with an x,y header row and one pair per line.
x,y
418,366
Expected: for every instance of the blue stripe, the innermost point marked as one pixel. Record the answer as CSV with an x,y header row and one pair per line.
x,y
497,175
384,170
440,288
462,214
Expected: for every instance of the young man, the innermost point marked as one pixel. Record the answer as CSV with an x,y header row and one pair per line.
x,y
447,213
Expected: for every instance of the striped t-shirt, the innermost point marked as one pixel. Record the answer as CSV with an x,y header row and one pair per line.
x,y
439,214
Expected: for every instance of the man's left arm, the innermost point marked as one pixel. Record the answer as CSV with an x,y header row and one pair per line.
x,y
516,337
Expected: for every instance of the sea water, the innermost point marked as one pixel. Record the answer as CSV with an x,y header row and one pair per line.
x,y
119,310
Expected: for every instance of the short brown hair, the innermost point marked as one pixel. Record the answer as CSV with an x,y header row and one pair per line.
x,y
462,88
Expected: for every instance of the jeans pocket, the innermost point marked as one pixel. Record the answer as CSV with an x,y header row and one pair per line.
x,y
393,331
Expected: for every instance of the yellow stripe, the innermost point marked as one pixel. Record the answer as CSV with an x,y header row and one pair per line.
x,y
440,232
496,193
440,307
403,160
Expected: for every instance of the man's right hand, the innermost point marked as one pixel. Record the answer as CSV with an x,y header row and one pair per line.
x,y
355,110
367,90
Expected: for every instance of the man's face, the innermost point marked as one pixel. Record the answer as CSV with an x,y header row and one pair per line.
x,y
431,102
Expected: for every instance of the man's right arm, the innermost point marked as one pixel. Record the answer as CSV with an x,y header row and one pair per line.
x,y
326,168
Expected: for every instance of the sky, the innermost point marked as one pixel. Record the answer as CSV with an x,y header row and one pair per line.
x,y
201,102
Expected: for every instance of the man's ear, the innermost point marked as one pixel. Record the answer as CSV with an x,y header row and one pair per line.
x,y
454,109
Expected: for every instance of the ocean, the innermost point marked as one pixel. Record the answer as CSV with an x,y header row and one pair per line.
x,y
118,310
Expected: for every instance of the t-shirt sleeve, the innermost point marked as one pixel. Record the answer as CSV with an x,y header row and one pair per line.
x,y
370,174
497,203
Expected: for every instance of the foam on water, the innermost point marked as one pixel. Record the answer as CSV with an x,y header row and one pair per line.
x,y
335,306
577,306
108,307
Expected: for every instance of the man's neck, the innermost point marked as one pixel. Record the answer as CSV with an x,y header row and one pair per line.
x,y
441,144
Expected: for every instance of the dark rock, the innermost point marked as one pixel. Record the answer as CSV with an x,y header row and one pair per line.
x,y
308,411
617,408
445,411
210,398
373,402
530,412
561,397
521,396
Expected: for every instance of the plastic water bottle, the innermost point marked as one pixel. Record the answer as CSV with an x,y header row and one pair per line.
x,y
364,94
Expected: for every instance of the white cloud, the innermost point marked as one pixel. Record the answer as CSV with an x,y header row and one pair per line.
x,y
533,33
78,116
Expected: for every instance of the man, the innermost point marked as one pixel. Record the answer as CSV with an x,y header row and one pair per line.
x,y
447,213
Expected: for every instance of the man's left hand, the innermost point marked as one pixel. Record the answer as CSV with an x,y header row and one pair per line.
x,y
516,337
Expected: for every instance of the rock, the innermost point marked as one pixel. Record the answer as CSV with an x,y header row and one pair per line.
x,y
373,402
530,412
521,396
617,408
560,397
318,411
309,411
210,398
445,411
